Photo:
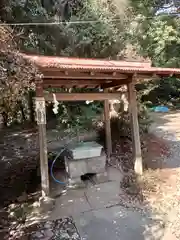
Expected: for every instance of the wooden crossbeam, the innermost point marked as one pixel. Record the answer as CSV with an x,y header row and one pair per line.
x,y
115,84
70,83
75,82
82,96
81,83
83,75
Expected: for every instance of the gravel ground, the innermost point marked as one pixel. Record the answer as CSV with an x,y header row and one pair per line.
x,y
61,229
165,196
159,187
169,201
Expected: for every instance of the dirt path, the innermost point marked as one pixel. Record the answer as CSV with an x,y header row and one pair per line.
x,y
167,197
166,125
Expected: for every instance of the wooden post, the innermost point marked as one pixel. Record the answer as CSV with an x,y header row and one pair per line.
x,y
107,128
41,121
135,129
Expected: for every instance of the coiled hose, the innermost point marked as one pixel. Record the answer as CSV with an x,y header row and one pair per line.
x,y
52,165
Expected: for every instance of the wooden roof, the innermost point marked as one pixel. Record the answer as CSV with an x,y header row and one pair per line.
x,y
60,71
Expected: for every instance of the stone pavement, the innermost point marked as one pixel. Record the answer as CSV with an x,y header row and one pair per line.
x,y
73,202
98,215
118,223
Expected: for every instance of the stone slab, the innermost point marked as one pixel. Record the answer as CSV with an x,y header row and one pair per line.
x,y
118,223
103,195
101,178
73,202
114,174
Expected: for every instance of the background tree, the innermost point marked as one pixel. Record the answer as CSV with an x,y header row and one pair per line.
x,y
155,34
113,26
16,76
102,37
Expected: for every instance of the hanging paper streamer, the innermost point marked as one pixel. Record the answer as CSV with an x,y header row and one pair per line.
x,y
40,110
87,102
56,103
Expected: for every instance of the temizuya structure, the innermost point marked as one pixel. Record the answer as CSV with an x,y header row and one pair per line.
x,y
60,72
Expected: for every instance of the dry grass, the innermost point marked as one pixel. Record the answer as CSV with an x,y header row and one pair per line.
x,y
157,186
158,183
154,150
160,188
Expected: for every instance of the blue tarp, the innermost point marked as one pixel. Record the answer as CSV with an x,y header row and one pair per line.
x,y
160,109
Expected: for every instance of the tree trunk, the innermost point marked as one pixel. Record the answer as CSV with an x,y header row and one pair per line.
x,y
22,112
1,122
5,119
31,106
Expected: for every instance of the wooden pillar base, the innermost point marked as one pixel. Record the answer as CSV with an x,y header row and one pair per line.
x,y
43,160
138,168
41,121
138,165
107,121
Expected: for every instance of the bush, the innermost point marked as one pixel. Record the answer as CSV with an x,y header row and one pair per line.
x,y
78,117
165,91
121,125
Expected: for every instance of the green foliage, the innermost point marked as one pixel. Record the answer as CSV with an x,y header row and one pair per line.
x,y
121,125
101,38
158,38
78,117
115,24
16,75
161,92
160,41
155,36
94,39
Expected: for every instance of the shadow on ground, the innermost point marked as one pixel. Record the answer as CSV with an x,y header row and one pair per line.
x,y
106,211
164,141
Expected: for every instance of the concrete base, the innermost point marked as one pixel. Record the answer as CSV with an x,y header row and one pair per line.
x,y
79,167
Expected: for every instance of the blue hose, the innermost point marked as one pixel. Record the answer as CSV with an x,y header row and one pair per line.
x,y
52,165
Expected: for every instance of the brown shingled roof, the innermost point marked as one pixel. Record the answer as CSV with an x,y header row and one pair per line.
x,y
61,63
